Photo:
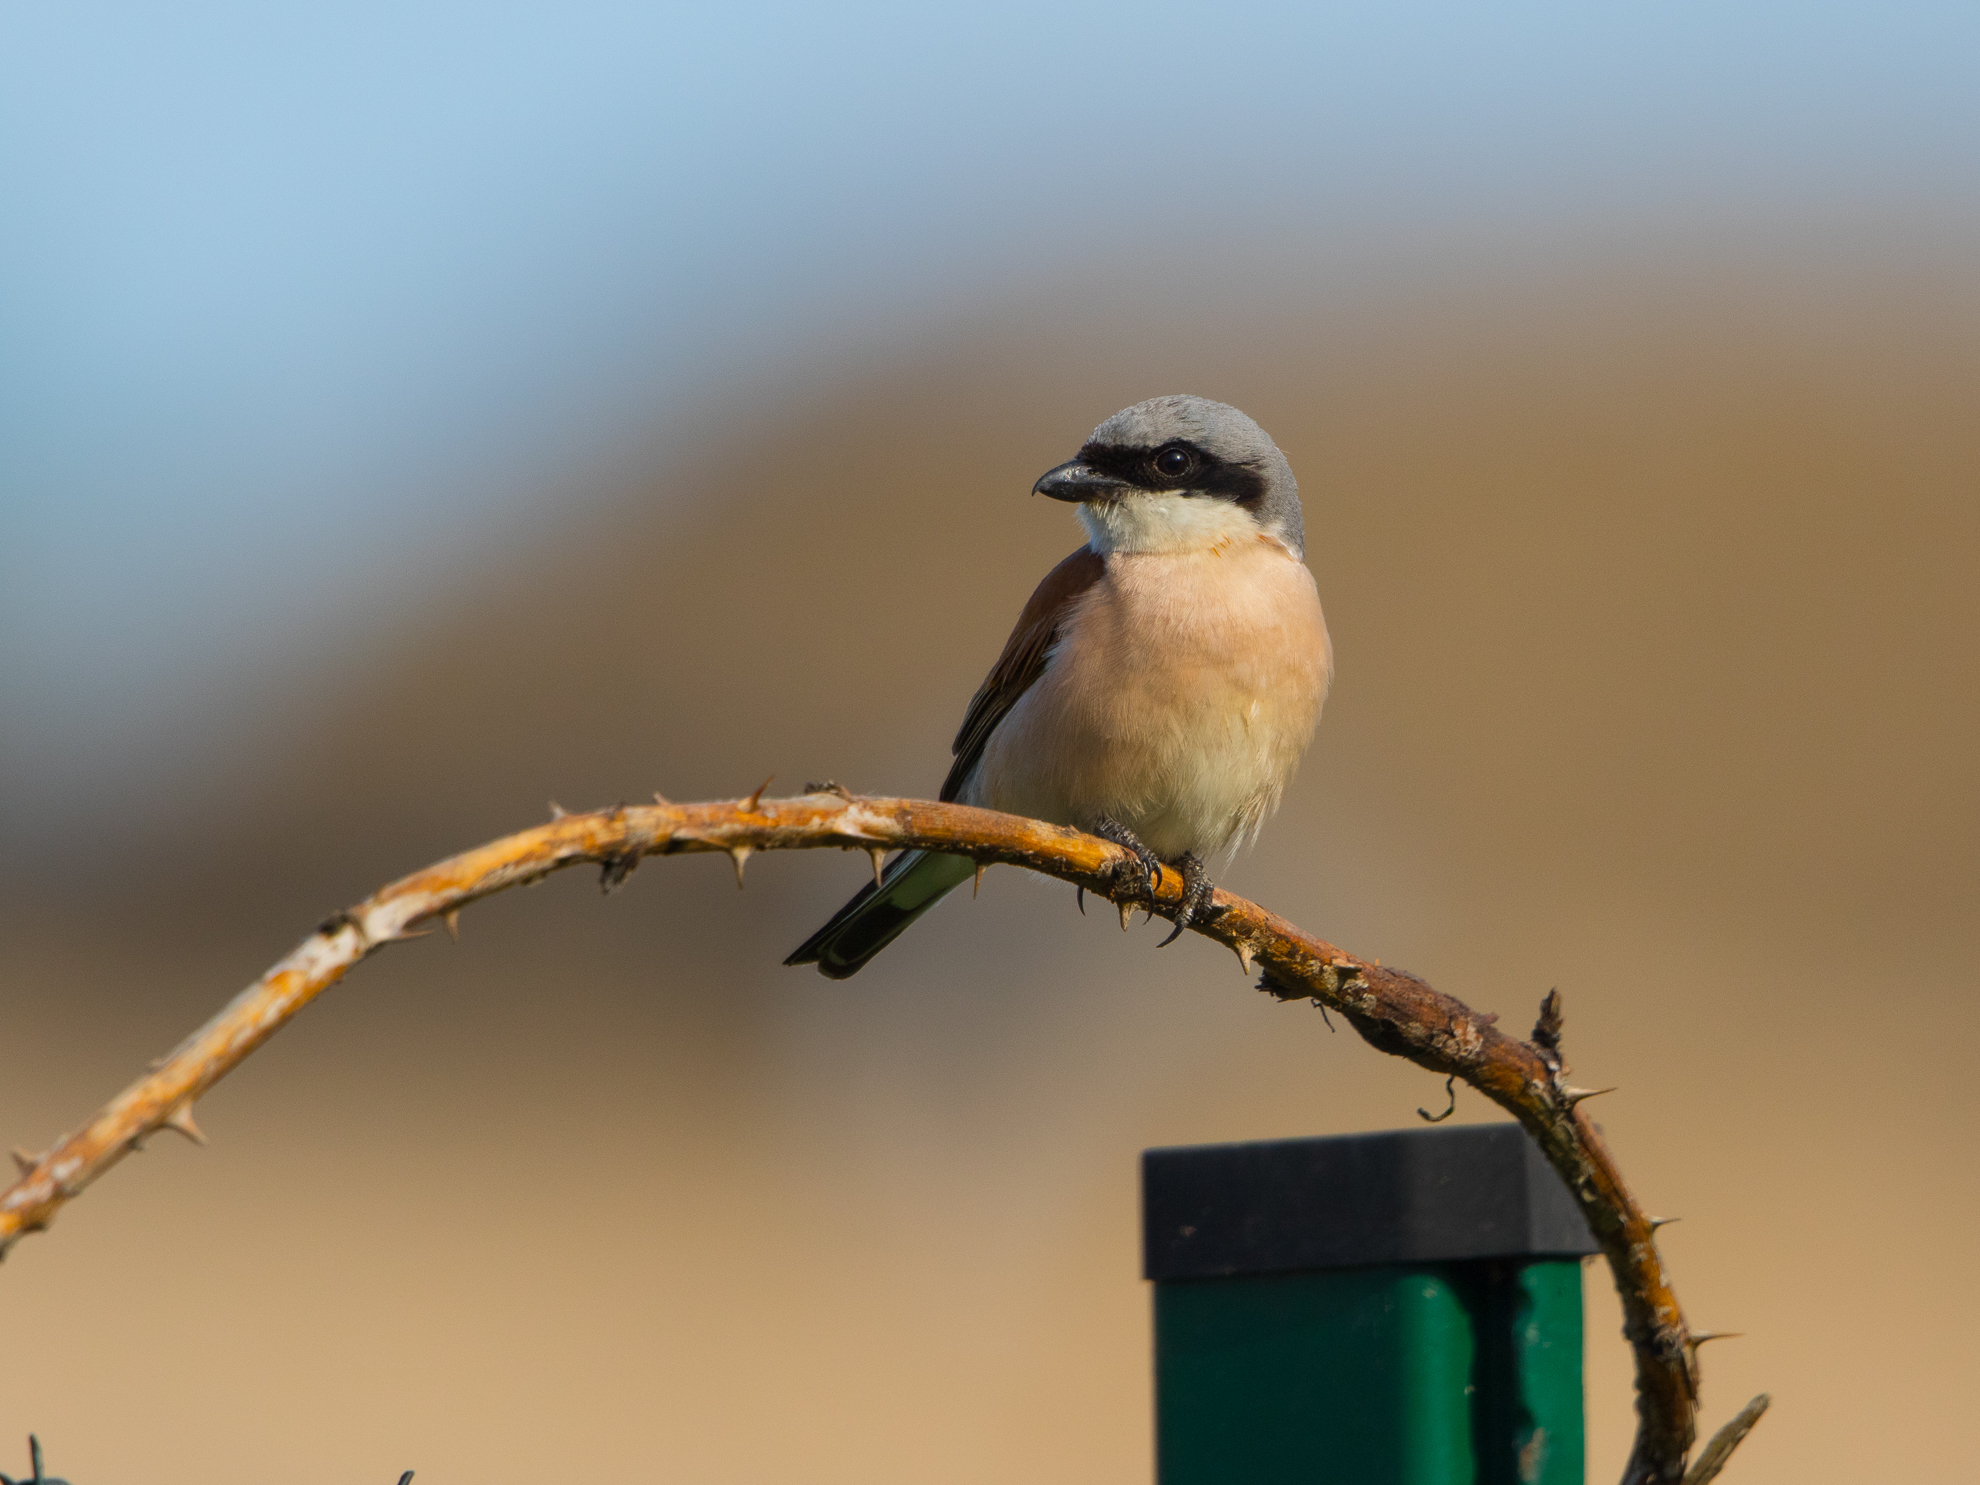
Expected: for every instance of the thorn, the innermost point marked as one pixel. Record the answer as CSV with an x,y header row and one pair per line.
x,y
1547,1030
1657,1222
1578,1095
180,1121
878,856
750,804
23,1162
1243,951
661,799
453,921
557,811
829,786
738,855
1079,898
406,933
1127,912
977,890
1699,1338
156,1063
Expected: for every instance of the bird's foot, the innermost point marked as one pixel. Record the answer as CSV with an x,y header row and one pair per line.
x,y
1134,880
1196,906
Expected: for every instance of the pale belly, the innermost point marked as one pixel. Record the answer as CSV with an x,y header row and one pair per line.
x,y
1178,701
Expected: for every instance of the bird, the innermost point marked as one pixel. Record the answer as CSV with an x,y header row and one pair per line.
x,y
1159,687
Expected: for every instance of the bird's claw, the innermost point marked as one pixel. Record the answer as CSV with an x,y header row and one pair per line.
x,y
1138,877
1195,905
1136,880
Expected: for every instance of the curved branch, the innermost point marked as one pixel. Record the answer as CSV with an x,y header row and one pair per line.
x,y
1392,1009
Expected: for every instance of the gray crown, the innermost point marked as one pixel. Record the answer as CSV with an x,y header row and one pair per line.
x,y
1230,438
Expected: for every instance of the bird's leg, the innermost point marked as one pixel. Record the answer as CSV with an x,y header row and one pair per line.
x,y
1197,891
1136,878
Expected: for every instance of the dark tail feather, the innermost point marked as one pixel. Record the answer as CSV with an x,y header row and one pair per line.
x,y
912,884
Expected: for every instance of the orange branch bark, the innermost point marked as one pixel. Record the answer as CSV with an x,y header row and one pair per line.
x,y
1393,1010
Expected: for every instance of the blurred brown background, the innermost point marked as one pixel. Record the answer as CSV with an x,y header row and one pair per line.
x,y
1652,579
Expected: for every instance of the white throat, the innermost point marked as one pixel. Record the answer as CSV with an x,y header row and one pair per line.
x,y
1164,521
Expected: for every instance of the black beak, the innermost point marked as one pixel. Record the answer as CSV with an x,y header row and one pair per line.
x,y
1074,480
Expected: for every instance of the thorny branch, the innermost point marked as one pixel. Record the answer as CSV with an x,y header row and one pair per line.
x,y
1393,1010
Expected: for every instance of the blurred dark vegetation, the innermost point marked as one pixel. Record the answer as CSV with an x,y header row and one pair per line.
x,y
1653,590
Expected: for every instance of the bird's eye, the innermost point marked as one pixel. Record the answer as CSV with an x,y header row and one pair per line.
x,y
1174,463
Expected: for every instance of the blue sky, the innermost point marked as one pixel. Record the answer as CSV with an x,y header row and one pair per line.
x,y
386,274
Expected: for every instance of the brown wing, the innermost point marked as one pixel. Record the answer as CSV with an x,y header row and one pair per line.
x,y
1023,660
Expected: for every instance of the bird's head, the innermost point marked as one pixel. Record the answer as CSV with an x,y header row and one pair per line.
x,y
1177,474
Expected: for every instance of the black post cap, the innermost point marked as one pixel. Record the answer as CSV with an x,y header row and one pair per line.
x,y
1400,1196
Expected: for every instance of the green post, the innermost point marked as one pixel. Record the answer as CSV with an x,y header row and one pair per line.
x,y
1385,1309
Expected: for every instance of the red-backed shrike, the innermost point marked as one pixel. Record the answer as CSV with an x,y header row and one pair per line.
x,y
1161,684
